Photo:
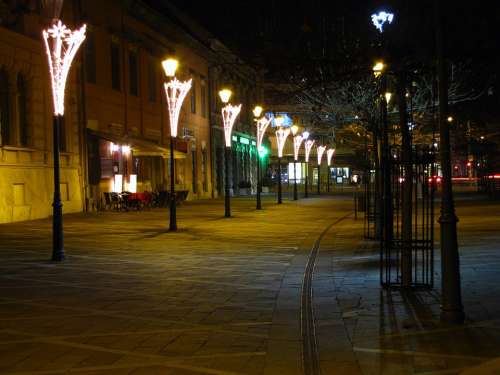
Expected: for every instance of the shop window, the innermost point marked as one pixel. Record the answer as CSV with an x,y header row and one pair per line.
x,y
203,96
22,110
90,58
115,66
5,125
133,73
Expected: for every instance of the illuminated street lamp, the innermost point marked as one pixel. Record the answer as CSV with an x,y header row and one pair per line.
x,y
380,18
378,68
229,114
297,141
308,144
329,156
281,136
175,92
262,125
61,45
320,150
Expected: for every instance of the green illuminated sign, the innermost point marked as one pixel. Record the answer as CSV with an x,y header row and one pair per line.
x,y
235,138
245,141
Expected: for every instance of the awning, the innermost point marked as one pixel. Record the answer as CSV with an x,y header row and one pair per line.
x,y
140,147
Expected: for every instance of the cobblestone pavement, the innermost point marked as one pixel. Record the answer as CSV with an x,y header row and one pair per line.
x,y
223,296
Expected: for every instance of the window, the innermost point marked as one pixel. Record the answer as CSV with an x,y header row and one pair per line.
x,y
132,72
194,171
115,66
90,58
5,131
204,170
152,81
203,95
193,93
22,108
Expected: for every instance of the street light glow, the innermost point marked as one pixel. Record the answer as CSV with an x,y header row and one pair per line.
x,y
378,68
262,125
380,18
61,45
225,95
294,129
257,111
278,121
170,66
305,135
450,119
388,96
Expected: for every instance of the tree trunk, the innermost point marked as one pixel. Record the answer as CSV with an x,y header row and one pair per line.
x,y
407,184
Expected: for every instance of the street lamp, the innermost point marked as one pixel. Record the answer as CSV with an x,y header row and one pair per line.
x,y
308,147
297,141
329,156
320,150
262,125
229,114
175,92
378,68
61,45
281,136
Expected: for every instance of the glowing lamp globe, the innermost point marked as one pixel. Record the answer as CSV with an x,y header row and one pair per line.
x,y
170,66
294,129
378,68
388,96
225,95
278,121
257,111
305,135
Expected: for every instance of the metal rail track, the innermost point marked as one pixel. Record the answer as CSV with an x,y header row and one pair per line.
x,y
310,354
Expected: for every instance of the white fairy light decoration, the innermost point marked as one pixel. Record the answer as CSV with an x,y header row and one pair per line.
x,y
61,45
380,18
308,147
262,125
281,136
320,150
329,155
176,92
229,114
297,142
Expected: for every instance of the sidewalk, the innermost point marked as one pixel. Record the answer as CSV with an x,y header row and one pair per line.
x,y
223,296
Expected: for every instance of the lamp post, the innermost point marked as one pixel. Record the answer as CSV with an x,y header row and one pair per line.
x,y
329,156
297,141
308,147
61,45
320,150
261,126
175,92
229,114
281,136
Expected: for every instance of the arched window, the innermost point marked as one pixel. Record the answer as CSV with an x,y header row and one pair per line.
x,y
22,110
5,131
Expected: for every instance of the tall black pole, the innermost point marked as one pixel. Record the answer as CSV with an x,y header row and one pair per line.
x,y
279,181
386,169
57,220
328,179
173,209
306,191
319,179
227,199
295,194
259,183
451,307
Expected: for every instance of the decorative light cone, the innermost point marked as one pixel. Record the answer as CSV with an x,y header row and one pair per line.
x,y
281,136
229,114
61,45
297,142
262,125
175,92
329,155
320,150
308,147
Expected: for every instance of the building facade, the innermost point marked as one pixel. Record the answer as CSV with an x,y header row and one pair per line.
x,y
116,135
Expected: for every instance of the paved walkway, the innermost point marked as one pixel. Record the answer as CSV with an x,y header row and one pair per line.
x,y
225,296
